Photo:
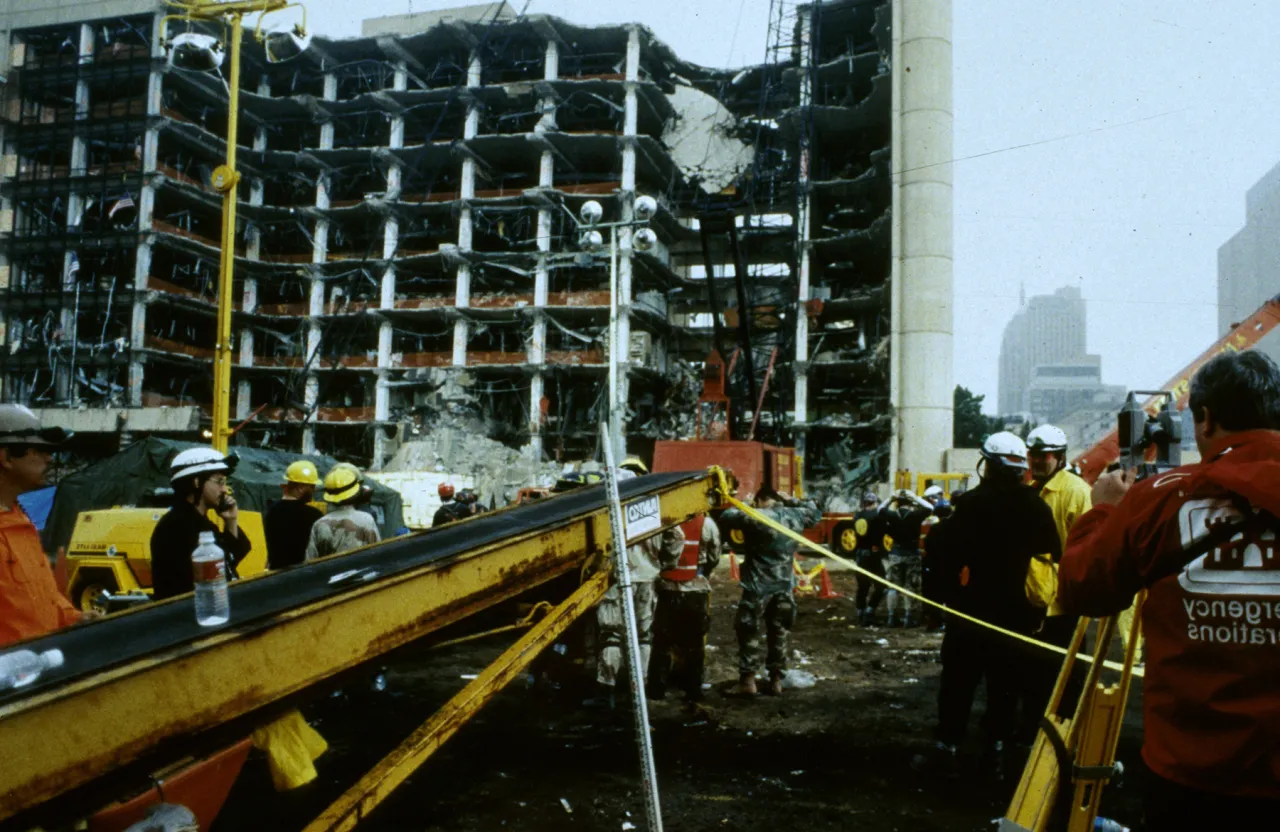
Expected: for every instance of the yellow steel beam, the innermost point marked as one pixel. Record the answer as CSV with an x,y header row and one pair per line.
x,y
208,10
383,779
72,734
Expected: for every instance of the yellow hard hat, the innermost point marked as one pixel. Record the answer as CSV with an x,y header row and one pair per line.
x,y
341,483
302,472
634,463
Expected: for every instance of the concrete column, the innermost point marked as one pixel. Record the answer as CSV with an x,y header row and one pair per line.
x,y
922,240
66,388
146,201
249,299
387,300
252,251
542,276
627,197
330,94
800,414
138,320
462,295
319,255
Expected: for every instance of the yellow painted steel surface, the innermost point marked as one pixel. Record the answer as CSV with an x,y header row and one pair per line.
x,y
54,741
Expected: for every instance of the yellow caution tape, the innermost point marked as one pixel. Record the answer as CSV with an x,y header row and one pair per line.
x,y
822,550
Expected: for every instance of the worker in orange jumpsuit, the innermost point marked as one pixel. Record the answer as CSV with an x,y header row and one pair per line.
x,y
30,603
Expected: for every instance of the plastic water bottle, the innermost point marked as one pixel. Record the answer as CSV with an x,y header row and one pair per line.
x,y
209,569
1108,825
22,667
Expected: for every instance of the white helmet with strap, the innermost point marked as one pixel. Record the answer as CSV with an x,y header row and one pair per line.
x,y
196,461
1007,449
1047,438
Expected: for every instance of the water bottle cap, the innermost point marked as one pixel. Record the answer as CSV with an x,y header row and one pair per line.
x,y
52,658
206,537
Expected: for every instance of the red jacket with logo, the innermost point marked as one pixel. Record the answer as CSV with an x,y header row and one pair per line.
x,y
1211,694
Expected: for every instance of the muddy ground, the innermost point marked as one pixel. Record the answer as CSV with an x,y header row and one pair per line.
x,y
832,757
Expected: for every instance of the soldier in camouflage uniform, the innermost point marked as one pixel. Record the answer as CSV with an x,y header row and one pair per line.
x,y
767,583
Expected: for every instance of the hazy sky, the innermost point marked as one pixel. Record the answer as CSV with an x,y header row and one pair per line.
x,y
1147,121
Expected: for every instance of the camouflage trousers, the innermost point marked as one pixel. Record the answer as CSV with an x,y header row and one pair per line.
x,y
904,569
613,639
779,613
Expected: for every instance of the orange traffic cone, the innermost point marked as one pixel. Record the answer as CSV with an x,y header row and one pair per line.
x,y
733,568
825,590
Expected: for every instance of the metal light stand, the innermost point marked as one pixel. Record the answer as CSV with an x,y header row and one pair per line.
x,y
224,181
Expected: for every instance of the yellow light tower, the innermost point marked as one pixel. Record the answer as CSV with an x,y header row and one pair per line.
x,y
203,52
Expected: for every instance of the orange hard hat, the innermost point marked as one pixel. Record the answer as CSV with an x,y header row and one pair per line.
x,y
445,491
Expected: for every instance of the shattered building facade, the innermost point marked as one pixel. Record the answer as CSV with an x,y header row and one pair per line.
x,y
407,253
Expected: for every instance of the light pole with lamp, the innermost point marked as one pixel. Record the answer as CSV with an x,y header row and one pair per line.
x,y
614,444
643,239
197,51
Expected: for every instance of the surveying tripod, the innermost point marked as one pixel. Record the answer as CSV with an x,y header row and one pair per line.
x,y
1076,753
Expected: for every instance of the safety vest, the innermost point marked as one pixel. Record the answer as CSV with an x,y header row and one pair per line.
x,y
686,568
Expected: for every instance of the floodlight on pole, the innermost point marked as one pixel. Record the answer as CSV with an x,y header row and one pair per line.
x,y
195,51
591,212
591,239
644,239
645,207
283,43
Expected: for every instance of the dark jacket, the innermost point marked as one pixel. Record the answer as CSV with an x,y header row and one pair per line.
x,y
1211,696
287,527
985,548
174,539
904,527
449,512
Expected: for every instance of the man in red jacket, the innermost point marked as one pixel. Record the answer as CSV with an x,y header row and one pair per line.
x,y
1202,540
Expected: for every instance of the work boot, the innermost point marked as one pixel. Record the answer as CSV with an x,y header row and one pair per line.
x,y
746,685
775,683
864,617
892,621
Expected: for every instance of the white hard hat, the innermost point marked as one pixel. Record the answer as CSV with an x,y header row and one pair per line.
x,y
1047,438
20,426
1005,448
195,461
933,491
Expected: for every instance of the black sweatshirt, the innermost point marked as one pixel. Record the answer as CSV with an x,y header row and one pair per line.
x,y
175,537
288,528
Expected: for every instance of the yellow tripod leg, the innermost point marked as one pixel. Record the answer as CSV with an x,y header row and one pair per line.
x,y
1095,758
1032,802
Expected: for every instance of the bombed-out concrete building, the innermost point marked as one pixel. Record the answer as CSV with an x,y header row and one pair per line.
x,y
409,252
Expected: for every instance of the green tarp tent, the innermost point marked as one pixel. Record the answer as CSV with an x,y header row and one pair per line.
x,y
132,476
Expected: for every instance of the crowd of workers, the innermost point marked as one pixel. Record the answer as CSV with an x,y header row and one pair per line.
x,y
1029,559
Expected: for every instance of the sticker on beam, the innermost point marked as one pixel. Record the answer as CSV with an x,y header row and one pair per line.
x,y
642,517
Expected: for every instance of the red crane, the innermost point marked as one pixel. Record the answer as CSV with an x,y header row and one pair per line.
x,y
1243,336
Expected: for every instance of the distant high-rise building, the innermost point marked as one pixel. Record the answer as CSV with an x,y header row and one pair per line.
x,y
1057,390
1047,329
1249,262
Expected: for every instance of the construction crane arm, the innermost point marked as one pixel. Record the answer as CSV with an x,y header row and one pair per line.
x,y
1243,336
